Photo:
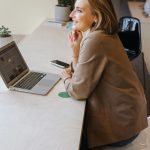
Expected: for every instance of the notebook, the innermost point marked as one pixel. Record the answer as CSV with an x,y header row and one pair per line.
x,y
17,76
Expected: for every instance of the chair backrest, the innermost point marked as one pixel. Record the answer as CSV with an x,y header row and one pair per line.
x,y
130,35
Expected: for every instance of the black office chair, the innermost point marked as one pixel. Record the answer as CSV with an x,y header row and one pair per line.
x,y
130,36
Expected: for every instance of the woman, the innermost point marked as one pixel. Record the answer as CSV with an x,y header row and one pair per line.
x,y
102,75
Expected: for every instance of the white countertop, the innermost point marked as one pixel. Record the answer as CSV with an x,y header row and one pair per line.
x,y
33,122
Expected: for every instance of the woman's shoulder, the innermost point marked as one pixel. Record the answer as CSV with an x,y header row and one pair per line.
x,y
98,35
94,34
99,40
92,41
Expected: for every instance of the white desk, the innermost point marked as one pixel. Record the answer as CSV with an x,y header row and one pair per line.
x,y
33,122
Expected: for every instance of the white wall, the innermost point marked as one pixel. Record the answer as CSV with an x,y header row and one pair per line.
x,y
23,16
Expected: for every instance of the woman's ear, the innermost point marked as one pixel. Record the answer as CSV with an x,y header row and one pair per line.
x,y
95,19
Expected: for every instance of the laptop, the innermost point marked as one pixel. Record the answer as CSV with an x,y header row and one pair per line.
x,y
17,76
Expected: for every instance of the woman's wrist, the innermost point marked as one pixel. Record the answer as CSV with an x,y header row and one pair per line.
x,y
75,56
76,52
75,60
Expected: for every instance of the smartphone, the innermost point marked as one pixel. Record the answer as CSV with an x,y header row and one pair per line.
x,y
60,64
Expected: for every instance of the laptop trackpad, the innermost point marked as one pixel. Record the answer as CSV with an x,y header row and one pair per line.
x,y
43,86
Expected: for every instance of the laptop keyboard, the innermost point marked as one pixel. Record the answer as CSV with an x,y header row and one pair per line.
x,y
30,80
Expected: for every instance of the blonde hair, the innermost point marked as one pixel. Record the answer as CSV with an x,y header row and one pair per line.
x,y
106,17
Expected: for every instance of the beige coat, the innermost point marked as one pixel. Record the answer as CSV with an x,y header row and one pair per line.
x,y
115,101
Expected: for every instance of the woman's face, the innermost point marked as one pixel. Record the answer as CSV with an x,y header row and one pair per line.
x,y
82,16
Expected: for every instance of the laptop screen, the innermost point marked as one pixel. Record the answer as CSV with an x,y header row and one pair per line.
x,y
12,64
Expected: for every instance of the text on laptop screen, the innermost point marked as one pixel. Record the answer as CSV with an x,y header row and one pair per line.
x,y
11,63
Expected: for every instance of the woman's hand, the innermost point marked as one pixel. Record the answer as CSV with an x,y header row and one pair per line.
x,y
66,74
75,38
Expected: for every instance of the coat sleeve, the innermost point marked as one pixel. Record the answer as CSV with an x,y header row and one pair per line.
x,y
87,73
